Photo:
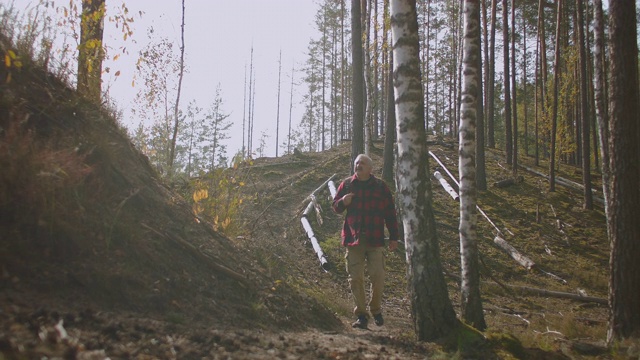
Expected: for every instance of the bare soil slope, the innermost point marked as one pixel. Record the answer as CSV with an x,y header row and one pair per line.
x,y
101,259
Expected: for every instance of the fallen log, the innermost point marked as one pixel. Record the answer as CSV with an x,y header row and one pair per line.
x,y
453,178
332,189
446,186
564,182
313,193
558,294
515,254
539,292
313,204
314,243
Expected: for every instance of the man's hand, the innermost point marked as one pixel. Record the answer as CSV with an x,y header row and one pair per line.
x,y
347,199
393,244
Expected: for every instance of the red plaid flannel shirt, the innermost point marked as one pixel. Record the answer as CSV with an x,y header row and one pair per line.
x,y
371,208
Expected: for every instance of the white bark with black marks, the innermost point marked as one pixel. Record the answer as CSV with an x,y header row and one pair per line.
x,y
432,312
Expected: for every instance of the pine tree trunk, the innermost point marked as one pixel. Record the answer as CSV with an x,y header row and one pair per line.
x,y
357,87
508,143
324,81
584,106
481,174
543,72
278,106
600,96
624,151
525,102
492,79
514,93
176,108
293,69
554,118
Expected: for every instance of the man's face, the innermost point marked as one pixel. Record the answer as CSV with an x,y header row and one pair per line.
x,y
363,168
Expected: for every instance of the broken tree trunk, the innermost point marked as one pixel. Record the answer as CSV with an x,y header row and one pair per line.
x,y
455,181
446,186
313,193
522,260
332,189
313,204
314,243
515,254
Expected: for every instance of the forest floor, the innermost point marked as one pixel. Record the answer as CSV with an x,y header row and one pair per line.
x,y
101,259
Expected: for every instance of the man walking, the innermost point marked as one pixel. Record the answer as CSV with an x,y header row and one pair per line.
x,y
369,205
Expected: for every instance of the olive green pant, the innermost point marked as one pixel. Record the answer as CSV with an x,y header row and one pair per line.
x,y
356,258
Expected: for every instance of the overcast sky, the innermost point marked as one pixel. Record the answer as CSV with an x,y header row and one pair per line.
x,y
219,35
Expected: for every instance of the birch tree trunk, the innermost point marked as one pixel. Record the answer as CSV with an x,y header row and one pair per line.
x,y
624,163
390,134
432,311
470,301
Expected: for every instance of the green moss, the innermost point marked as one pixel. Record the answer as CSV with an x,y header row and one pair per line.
x,y
501,342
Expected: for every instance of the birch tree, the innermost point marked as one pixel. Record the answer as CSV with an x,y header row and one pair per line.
x,y
470,301
432,312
